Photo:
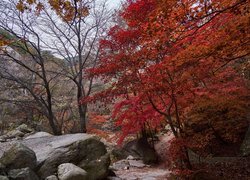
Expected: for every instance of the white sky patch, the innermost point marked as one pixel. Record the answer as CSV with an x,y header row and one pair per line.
x,y
115,3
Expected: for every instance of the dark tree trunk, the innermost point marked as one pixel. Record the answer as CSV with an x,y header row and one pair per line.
x,y
54,128
82,109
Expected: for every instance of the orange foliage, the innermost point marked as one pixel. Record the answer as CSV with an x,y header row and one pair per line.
x,y
96,126
67,10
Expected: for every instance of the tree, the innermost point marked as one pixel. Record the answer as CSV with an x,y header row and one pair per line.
x,y
75,39
23,49
170,54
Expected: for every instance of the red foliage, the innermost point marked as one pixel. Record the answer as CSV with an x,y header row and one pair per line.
x,y
133,115
169,55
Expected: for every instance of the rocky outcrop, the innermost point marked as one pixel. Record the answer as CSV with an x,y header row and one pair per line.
x,y
69,171
83,150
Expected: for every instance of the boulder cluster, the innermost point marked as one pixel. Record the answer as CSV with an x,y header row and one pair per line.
x,y
29,155
66,157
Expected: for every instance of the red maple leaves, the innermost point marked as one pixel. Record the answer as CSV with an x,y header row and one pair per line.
x,y
168,55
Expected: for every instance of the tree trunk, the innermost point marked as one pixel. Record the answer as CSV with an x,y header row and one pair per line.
x,y
186,160
54,128
82,109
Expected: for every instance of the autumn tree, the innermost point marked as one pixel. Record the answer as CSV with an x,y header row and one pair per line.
x,y
169,55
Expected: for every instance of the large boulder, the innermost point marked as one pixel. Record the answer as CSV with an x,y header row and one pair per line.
x,y
38,135
85,149
22,174
18,156
140,148
96,168
69,171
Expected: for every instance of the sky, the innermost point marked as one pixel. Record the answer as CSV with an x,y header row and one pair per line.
x,y
114,3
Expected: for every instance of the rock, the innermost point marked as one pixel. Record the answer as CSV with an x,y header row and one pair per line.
x,y
111,173
2,169
98,168
38,135
131,158
68,171
136,163
13,134
113,178
120,165
52,177
126,164
51,151
109,145
118,154
22,174
24,129
85,150
140,148
4,178
2,139
18,156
